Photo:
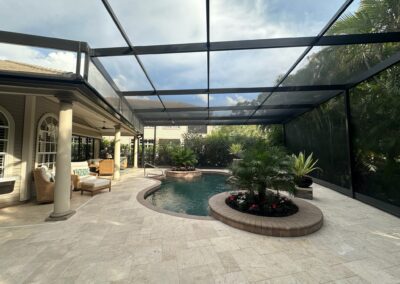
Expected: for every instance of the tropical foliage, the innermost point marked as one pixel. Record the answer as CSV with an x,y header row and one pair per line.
x,y
214,149
262,169
183,158
303,165
236,149
374,106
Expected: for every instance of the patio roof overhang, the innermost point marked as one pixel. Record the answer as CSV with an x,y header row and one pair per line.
x,y
217,103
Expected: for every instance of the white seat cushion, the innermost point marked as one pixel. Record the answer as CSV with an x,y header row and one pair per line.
x,y
87,178
95,183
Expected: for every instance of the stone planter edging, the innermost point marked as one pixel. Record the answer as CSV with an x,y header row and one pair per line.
x,y
307,220
183,174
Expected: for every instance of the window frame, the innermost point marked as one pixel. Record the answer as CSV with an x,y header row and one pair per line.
x,y
9,152
50,153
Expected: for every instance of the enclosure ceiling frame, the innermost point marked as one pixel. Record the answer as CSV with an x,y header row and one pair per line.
x,y
309,42
328,40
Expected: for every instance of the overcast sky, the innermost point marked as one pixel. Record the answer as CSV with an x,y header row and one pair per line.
x,y
167,22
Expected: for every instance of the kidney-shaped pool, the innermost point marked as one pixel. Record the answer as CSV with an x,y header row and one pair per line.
x,y
189,196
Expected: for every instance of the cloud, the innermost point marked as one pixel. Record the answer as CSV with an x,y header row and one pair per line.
x,y
234,100
251,68
59,60
204,98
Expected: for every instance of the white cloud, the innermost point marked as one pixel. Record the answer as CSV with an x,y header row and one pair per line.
x,y
203,97
234,100
59,60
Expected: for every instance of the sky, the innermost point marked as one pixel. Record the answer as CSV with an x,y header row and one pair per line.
x,y
168,22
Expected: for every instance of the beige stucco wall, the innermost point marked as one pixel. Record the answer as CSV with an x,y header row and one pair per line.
x,y
15,105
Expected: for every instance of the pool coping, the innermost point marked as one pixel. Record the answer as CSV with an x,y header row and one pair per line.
x,y
143,194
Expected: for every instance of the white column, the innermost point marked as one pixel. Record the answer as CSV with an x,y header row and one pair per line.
x,y
96,148
28,142
62,192
136,152
117,152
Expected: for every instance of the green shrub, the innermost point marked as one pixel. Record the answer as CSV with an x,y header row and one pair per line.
x,y
183,158
263,167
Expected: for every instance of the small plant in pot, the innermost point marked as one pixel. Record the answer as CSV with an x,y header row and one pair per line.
x,y
236,150
302,166
260,176
183,159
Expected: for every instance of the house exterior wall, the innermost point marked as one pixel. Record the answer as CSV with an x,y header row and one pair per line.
x,y
15,105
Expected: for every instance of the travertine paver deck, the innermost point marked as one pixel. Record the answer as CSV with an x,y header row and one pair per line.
x,y
113,238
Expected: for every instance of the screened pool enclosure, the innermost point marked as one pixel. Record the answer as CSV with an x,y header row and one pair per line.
x,y
327,72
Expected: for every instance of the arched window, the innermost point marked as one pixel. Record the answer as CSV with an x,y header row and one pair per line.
x,y
6,142
47,134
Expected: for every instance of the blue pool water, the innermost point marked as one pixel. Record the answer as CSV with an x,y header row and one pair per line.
x,y
189,196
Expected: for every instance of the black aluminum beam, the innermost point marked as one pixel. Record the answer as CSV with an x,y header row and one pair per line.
x,y
213,122
330,40
208,53
235,90
42,41
219,108
231,117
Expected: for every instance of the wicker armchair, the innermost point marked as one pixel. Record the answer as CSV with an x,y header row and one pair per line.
x,y
43,185
106,167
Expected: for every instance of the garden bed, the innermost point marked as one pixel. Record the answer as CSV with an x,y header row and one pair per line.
x,y
307,220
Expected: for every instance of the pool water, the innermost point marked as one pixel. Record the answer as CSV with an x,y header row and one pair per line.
x,y
189,196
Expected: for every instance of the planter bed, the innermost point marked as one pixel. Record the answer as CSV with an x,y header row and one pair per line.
x,y
307,220
183,174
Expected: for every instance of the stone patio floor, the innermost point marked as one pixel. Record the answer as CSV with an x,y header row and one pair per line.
x,y
114,239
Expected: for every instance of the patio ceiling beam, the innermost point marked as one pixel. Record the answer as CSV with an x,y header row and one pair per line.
x,y
335,17
212,122
235,90
330,40
208,54
42,41
228,117
217,108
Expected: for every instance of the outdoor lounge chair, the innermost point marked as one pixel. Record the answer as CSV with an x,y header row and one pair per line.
x,y
44,185
84,180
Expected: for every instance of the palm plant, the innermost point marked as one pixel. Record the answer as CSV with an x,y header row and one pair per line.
x,y
183,157
302,166
236,149
264,167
